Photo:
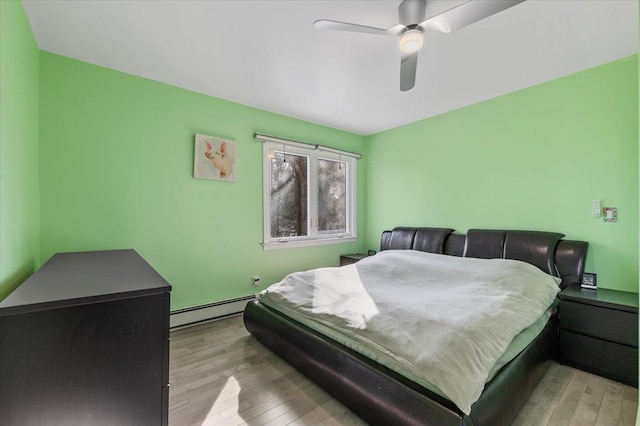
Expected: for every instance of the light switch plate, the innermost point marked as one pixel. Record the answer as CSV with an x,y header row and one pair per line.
x,y
596,208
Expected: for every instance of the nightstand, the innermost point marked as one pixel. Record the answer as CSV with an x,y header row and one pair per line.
x,y
599,332
348,259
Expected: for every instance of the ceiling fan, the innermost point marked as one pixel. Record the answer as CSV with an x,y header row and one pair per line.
x,y
417,16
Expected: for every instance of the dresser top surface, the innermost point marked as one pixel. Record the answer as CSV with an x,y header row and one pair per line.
x,y
69,279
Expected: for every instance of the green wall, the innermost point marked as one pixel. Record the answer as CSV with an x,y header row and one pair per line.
x,y
111,167
116,167
532,159
19,198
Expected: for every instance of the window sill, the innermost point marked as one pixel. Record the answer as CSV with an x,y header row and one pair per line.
x,y
307,243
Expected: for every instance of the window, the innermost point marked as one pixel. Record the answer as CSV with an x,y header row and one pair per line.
x,y
309,195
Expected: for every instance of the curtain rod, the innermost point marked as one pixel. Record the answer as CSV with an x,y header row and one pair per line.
x,y
267,138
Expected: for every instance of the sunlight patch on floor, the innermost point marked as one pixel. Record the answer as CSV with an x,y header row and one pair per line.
x,y
215,416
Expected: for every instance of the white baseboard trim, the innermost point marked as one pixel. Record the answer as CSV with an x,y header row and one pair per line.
x,y
208,312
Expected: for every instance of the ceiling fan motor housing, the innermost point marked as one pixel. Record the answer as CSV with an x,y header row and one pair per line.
x,y
412,12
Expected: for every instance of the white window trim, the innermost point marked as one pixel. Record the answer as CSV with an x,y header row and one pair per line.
x,y
291,243
312,239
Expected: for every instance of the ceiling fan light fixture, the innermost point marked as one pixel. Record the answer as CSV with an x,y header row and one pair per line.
x,y
411,41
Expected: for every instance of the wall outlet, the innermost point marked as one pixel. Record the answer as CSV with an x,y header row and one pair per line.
x,y
256,281
610,214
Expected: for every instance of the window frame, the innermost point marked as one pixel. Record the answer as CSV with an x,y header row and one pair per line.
x,y
313,238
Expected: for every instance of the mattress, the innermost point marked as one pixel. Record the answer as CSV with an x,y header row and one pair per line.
x,y
351,304
517,345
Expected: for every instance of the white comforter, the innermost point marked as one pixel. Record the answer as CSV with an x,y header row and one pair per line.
x,y
445,319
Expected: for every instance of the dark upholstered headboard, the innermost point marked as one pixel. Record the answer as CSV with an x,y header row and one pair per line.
x,y
546,250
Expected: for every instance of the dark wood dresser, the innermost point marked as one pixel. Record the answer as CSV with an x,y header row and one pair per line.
x,y
84,341
599,332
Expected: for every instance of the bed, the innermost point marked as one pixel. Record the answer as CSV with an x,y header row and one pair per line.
x,y
385,395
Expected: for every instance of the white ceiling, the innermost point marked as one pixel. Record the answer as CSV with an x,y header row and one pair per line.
x,y
267,54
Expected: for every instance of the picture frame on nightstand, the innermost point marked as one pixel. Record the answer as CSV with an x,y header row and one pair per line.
x,y
589,281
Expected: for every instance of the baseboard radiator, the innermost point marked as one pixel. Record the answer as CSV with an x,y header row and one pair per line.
x,y
211,311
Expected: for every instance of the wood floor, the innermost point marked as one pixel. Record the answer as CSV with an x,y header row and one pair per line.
x,y
221,375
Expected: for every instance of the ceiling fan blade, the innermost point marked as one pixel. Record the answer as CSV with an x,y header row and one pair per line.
x,y
463,14
326,24
411,12
408,65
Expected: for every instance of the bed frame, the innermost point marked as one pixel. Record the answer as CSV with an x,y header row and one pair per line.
x,y
381,396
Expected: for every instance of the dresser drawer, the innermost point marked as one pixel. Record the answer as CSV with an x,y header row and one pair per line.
x,y
604,323
611,360
164,421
